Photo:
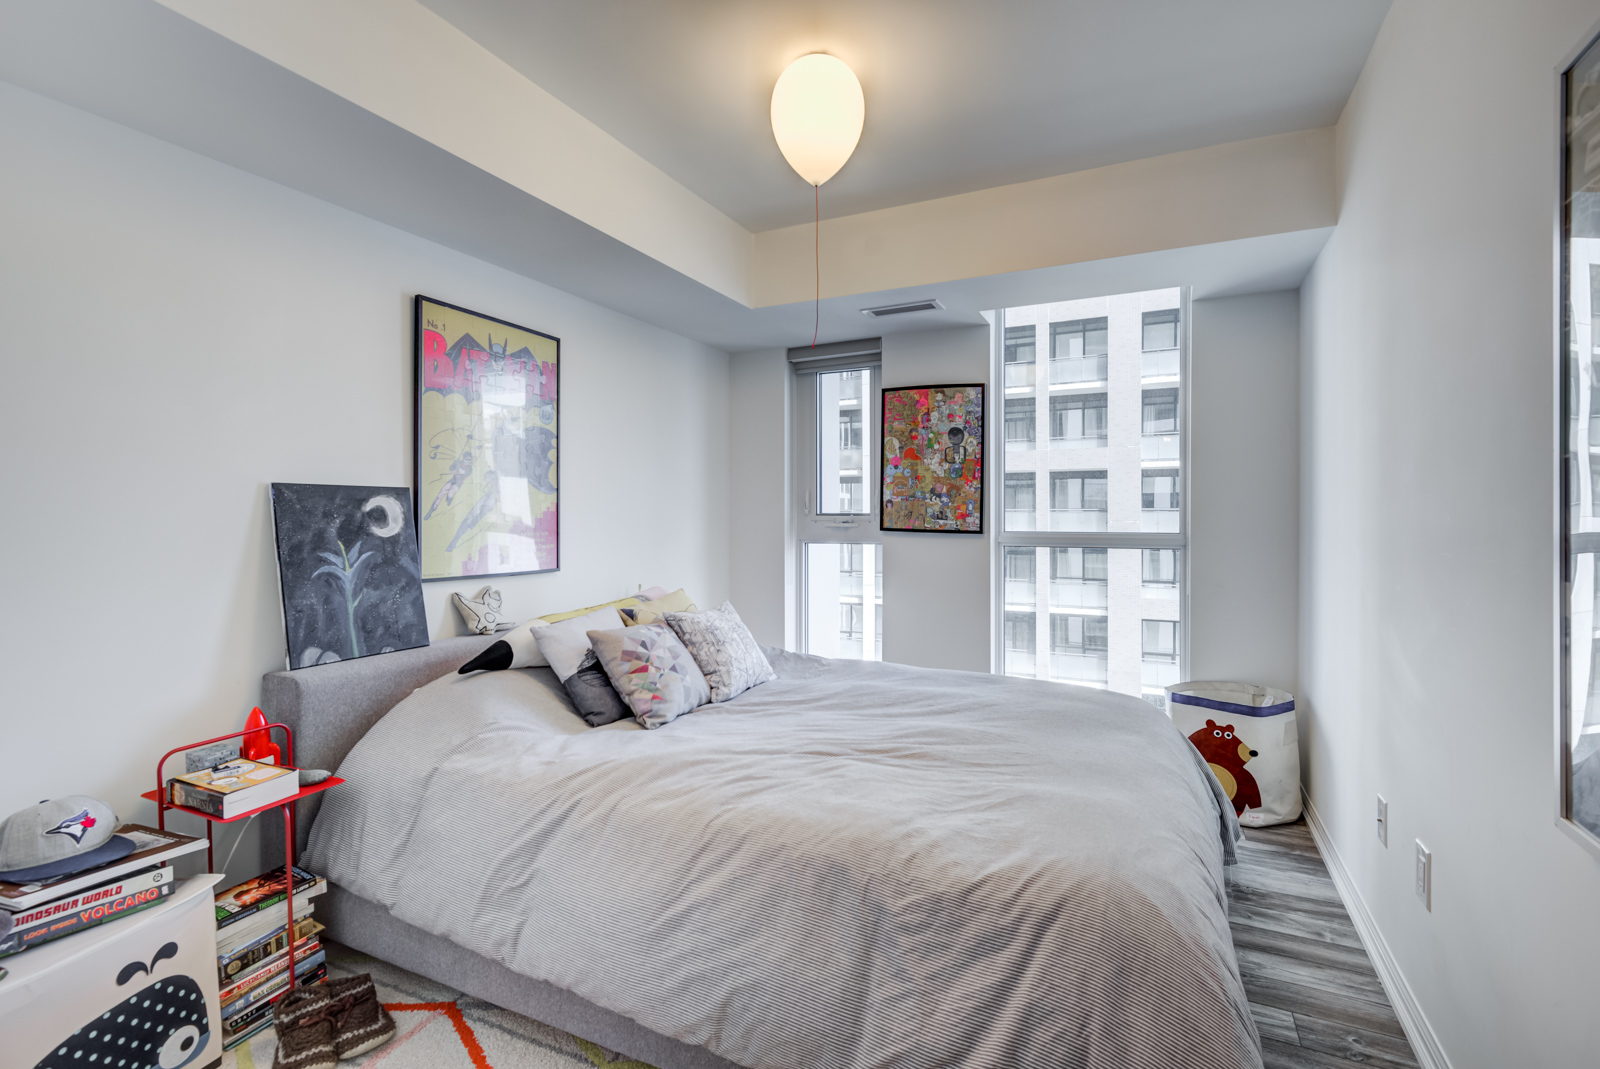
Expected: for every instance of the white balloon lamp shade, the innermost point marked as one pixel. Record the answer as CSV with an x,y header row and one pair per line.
x,y
817,112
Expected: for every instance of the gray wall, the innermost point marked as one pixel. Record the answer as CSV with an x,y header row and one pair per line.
x,y
936,603
1244,547
1428,643
177,334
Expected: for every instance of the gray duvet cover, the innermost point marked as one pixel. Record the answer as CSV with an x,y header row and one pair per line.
x,y
856,865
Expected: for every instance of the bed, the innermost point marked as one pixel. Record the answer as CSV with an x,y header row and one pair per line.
x,y
856,865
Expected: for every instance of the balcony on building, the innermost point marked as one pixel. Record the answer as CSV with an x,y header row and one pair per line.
x,y
1077,370
1159,447
1077,593
1078,667
1158,672
1158,521
1159,364
1021,663
1161,591
1078,520
1020,594
1021,520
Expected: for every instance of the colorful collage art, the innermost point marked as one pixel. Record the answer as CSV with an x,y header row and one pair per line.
x,y
933,459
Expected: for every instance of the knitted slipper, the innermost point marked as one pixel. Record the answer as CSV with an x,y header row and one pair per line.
x,y
305,1030
366,1024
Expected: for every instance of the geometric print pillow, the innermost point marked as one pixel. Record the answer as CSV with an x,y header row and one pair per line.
x,y
724,649
652,671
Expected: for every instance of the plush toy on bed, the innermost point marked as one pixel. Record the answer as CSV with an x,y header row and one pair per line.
x,y
481,612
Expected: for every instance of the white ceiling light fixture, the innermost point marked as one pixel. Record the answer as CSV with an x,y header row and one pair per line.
x,y
817,114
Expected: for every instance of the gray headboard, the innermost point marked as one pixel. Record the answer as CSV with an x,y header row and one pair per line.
x,y
330,706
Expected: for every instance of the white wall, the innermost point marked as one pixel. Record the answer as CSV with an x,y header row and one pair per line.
x,y
761,528
1428,453
936,587
1244,543
176,334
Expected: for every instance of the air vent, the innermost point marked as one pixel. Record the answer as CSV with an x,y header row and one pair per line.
x,y
902,309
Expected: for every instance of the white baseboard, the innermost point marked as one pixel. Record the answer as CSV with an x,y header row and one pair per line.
x,y
1424,1042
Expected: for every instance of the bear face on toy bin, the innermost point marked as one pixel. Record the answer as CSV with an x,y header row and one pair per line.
x,y
162,1025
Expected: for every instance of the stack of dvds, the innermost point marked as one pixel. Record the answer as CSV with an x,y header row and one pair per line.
x,y
44,912
253,948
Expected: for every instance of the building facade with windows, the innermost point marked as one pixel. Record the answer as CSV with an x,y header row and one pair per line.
x,y
1091,541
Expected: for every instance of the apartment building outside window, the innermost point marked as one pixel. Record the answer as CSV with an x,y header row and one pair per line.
x,y
1020,358
1020,419
1091,533
841,561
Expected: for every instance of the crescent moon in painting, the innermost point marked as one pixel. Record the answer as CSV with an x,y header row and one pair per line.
x,y
394,516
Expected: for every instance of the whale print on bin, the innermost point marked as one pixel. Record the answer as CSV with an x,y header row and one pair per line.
x,y
160,1025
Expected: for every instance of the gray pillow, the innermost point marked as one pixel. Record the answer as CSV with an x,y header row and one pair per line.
x,y
724,649
652,672
593,695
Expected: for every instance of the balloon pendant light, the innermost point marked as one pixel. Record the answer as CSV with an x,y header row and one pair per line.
x,y
817,114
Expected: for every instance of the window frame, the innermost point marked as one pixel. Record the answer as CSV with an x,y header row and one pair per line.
x,y
810,526
1004,538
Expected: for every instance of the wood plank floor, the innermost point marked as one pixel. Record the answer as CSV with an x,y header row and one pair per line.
x,y
1312,989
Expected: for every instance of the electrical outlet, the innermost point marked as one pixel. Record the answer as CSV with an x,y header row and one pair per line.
x,y
1424,876
1383,820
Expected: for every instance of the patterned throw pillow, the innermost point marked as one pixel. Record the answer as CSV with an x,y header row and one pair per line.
x,y
651,612
651,670
725,650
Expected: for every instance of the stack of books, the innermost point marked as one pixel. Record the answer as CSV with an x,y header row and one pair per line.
x,y
234,787
253,948
44,912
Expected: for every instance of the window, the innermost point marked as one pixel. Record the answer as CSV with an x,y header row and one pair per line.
x,y
1019,501
1160,567
1021,348
839,580
1161,330
1019,422
1078,351
1078,577
844,600
1021,653
1078,500
843,432
1020,571
1160,412
1160,640
1099,554
1078,419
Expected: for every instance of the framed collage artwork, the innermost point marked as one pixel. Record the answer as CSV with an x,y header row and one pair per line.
x,y
932,470
487,427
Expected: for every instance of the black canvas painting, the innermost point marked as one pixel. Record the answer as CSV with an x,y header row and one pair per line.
x,y
349,570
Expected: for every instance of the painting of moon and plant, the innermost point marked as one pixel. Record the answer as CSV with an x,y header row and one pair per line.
x,y
486,461
348,570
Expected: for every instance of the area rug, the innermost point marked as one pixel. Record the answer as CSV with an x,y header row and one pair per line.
x,y
440,1028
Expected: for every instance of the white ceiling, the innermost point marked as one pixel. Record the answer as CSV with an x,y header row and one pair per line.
x,y
960,95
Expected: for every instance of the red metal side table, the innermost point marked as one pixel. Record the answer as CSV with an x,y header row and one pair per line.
x,y
159,797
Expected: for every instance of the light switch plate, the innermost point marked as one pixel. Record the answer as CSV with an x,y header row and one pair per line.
x,y
1383,820
1424,876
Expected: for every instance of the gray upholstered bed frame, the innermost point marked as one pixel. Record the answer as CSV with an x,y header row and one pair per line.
x,y
329,708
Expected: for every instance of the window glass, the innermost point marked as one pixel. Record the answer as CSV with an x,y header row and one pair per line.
x,y
844,600
1019,422
1161,330
1021,348
843,449
1072,558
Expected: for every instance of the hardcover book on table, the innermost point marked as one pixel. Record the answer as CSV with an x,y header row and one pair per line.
x,y
151,847
234,787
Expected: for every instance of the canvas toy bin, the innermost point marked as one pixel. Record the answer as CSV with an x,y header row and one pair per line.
x,y
74,997
1248,736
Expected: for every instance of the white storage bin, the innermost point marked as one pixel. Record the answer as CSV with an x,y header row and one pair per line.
x,y
1248,736
141,989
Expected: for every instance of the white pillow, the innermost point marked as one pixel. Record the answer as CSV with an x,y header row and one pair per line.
x,y
564,643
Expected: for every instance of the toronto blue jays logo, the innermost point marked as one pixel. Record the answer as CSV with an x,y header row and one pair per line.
x,y
77,827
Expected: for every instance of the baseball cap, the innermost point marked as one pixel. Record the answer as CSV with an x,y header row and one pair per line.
x,y
59,837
